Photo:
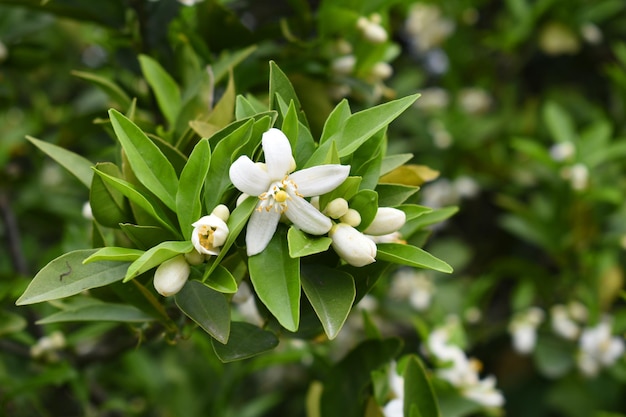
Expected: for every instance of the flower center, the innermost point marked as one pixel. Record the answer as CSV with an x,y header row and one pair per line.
x,y
278,195
205,234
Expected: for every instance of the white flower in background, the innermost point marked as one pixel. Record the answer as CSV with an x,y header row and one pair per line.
x,y
523,329
439,193
562,151
426,26
557,39
351,245
281,191
433,99
246,305
48,345
343,65
86,211
210,232
414,286
395,407
442,138
461,371
466,187
171,276
591,33
565,319
577,175
372,29
189,2
598,348
474,101
381,71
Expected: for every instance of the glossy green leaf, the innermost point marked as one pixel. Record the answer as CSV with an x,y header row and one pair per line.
x,y
74,163
246,340
165,89
156,256
111,89
228,60
366,203
145,237
362,125
336,119
136,197
188,204
149,164
391,162
418,392
346,190
223,112
290,126
300,244
331,293
113,253
108,206
433,217
220,279
280,84
411,256
391,195
67,275
276,280
99,311
207,307
413,211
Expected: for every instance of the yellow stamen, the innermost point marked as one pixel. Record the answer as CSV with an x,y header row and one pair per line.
x,y
281,196
205,235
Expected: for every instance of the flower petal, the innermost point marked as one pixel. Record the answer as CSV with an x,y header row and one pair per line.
x,y
261,228
306,217
278,157
320,179
249,177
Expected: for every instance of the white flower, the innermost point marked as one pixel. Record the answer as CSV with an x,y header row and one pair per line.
x,y
352,246
48,345
209,233
387,220
415,286
598,348
282,192
343,65
171,275
562,151
523,329
189,2
557,39
484,392
426,26
371,29
591,33
394,408
474,101
433,99
562,322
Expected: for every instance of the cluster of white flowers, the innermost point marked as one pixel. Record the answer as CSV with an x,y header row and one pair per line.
x,y
444,192
209,234
414,286
372,29
48,346
598,348
567,319
523,329
395,407
577,175
281,193
461,371
426,27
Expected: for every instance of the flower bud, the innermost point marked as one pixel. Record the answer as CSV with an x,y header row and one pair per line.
x,y
352,218
209,233
336,208
171,275
222,212
387,220
352,246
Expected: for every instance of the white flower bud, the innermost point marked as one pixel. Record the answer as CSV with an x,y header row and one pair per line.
x,y
315,202
194,258
352,246
336,208
387,220
222,212
351,217
382,70
209,233
171,275
344,65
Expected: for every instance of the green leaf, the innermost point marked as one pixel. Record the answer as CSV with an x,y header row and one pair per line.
x,y
290,126
418,392
188,203
223,112
362,125
164,87
366,203
11,323
433,217
67,275
559,123
128,190
156,256
149,164
228,60
331,293
99,311
346,190
207,307
336,119
108,206
145,237
75,164
300,244
280,85
413,211
276,280
220,279
391,195
112,253
111,89
246,340
411,256
391,162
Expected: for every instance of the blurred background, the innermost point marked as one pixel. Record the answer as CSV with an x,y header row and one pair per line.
x,y
522,115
